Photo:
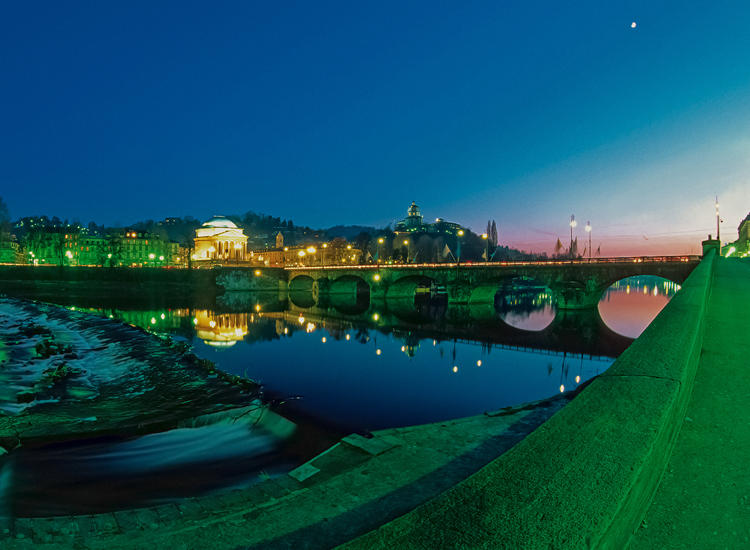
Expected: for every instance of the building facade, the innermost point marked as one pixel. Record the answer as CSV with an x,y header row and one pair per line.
x,y
743,242
220,240
10,251
53,245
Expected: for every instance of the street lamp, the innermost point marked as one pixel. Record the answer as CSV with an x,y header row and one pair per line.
x,y
323,256
486,247
588,230
408,249
718,223
381,240
458,252
573,223
458,248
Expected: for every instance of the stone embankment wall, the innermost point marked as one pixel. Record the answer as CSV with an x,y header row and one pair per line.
x,y
244,279
585,478
43,282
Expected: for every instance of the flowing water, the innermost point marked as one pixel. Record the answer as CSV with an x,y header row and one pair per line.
x,y
330,368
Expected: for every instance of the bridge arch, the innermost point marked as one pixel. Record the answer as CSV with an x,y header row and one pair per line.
x,y
301,283
350,285
485,290
410,285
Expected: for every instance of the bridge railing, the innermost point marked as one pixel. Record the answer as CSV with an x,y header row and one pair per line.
x,y
582,261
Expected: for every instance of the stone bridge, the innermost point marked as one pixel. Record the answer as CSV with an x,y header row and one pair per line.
x,y
574,285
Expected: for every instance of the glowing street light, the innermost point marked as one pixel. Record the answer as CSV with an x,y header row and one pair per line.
x,y
588,230
458,248
486,247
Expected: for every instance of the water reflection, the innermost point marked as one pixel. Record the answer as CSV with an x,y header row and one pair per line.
x,y
527,309
333,365
220,330
359,366
629,305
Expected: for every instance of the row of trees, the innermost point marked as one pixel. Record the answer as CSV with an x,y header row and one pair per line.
x,y
434,248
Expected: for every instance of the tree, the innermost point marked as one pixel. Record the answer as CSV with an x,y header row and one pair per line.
x,y
4,222
4,217
35,242
112,249
362,241
188,241
424,250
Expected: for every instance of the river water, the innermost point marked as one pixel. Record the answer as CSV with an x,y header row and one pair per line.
x,y
330,368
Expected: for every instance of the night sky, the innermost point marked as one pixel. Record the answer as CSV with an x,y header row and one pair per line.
x,y
344,112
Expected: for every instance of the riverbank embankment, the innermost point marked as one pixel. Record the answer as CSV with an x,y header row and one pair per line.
x,y
585,478
703,500
75,285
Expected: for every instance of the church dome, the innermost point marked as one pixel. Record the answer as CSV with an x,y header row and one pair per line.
x,y
413,209
220,221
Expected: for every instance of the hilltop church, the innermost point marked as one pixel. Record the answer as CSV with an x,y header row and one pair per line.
x,y
414,224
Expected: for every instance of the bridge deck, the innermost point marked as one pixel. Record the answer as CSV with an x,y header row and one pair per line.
x,y
703,500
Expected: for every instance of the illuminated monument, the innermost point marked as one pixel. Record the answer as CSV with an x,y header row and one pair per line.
x,y
414,223
219,239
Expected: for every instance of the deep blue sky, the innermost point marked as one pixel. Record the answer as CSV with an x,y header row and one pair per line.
x,y
344,112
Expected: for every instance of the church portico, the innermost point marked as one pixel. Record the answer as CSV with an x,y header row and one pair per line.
x,y
219,239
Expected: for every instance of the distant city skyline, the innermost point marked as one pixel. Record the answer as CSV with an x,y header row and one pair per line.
x,y
345,114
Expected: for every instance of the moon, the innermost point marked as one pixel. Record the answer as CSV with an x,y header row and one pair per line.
x,y
633,24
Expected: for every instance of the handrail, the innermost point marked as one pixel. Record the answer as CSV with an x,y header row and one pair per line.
x,y
477,265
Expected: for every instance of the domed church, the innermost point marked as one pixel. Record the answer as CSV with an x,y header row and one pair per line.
x,y
219,239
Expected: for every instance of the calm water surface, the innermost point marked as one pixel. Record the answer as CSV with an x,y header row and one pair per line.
x,y
331,368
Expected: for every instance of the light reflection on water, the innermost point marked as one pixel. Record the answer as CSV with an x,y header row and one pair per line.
x,y
630,305
376,370
354,367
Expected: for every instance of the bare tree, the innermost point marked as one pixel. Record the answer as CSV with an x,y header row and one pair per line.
x,y
4,221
